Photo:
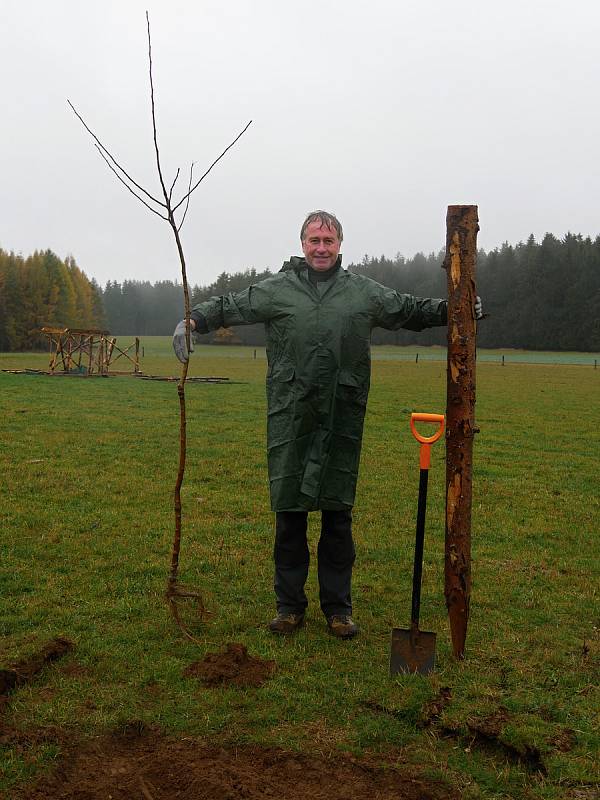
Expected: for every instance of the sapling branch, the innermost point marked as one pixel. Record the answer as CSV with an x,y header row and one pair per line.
x,y
214,163
111,157
187,205
173,184
158,166
129,189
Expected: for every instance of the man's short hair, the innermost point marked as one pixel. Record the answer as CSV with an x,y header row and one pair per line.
x,y
326,219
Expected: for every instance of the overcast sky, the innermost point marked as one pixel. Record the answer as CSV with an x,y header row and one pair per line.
x,y
384,112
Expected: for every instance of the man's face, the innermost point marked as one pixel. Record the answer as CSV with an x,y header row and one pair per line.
x,y
321,246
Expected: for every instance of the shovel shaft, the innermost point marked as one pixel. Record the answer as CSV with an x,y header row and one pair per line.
x,y
419,540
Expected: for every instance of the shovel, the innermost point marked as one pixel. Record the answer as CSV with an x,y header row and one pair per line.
x,y
414,650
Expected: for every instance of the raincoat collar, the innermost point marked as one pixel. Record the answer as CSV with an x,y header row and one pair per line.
x,y
298,264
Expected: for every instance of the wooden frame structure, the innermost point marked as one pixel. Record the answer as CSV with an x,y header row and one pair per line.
x,y
87,351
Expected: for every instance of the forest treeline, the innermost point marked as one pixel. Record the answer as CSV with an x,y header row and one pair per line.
x,y
537,295
141,308
44,290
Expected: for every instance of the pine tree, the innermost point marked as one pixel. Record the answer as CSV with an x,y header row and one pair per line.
x,y
43,290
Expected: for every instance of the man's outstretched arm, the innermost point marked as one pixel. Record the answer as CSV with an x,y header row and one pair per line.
x,y
397,310
247,307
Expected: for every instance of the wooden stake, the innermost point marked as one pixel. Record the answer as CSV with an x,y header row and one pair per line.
x,y
59,349
109,351
101,356
461,255
69,351
91,354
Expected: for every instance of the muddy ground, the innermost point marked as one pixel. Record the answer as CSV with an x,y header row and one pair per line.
x,y
141,762
146,765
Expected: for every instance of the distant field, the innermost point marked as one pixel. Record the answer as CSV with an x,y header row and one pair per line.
x,y
88,467
160,347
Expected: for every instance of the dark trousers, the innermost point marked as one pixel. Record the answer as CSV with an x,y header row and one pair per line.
x,y
335,554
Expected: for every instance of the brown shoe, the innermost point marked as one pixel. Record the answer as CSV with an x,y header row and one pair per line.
x,y
342,626
284,624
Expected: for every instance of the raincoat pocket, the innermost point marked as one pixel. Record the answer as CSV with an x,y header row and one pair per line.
x,y
351,389
280,387
351,394
350,405
281,397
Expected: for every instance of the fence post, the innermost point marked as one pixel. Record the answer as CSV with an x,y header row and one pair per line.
x,y
461,255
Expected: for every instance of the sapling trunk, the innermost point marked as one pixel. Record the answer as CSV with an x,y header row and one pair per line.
x,y
166,210
175,591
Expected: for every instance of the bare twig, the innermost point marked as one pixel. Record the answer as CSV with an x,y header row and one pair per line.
x,y
173,185
111,157
128,187
214,163
158,167
187,205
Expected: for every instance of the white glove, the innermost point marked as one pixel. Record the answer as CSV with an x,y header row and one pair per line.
x,y
180,344
478,308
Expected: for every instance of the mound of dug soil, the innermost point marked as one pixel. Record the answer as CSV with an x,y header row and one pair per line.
x,y
232,667
151,767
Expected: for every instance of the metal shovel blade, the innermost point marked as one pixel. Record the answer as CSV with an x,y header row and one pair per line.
x,y
412,651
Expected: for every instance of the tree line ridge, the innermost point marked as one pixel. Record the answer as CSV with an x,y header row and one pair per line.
x,y
537,295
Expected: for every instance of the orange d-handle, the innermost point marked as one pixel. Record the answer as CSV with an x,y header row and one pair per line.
x,y
426,441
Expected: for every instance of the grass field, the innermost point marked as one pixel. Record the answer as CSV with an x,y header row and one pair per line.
x,y
88,468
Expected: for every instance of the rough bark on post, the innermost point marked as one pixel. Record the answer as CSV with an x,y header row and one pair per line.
x,y
461,255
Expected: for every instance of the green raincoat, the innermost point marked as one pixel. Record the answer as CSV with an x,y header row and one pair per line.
x,y
319,369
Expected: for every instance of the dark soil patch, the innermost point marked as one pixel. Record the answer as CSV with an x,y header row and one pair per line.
x,y
379,708
430,713
24,741
434,708
152,767
26,669
231,667
491,726
75,670
488,733
563,741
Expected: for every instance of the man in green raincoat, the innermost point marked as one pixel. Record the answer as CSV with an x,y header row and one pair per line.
x,y
318,320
